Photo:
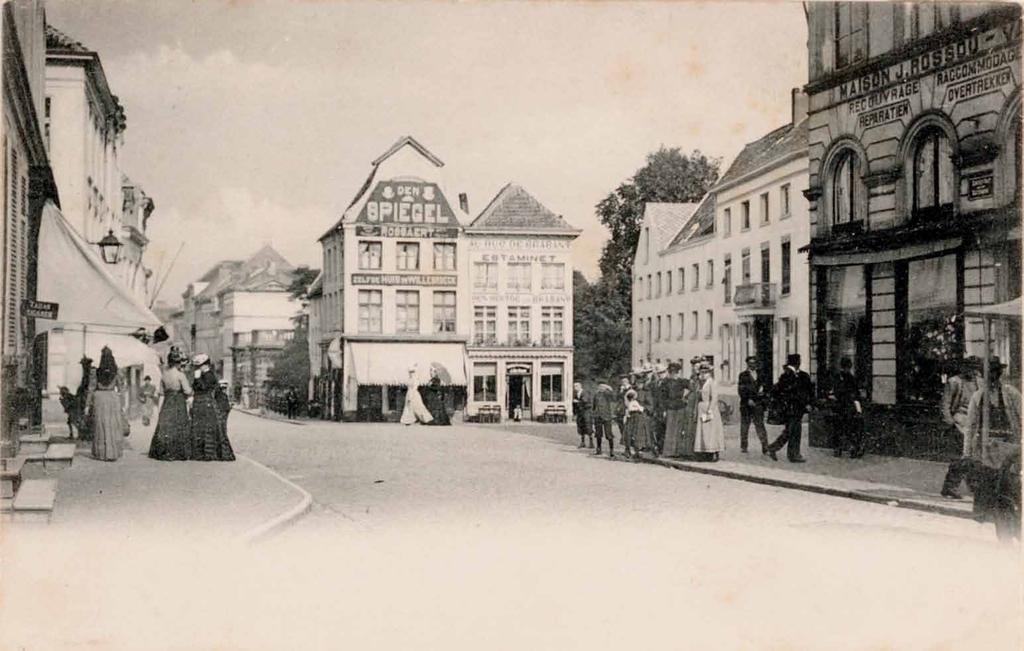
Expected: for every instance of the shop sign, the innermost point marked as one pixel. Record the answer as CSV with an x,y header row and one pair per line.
x,y
406,202
518,369
515,257
518,243
523,299
979,186
405,279
39,309
403,230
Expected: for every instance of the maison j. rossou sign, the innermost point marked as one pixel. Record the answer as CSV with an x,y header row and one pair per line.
x,y
407,202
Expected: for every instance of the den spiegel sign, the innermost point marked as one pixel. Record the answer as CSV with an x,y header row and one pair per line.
x,y
407,202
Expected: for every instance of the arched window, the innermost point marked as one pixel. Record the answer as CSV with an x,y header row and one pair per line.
x,y
933,171
844,183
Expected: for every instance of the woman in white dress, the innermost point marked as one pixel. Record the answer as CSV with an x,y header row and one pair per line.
x,y
710,436
415,410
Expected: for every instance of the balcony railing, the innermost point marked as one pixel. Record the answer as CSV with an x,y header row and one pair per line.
x,y
755,295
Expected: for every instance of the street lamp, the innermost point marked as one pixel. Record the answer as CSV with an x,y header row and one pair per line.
x,y
110,248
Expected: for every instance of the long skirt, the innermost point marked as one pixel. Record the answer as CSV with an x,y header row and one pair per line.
x,y
433,398
674,432
710,436
109,426
689,429
414,409
209,440
147,411
638,431
172,439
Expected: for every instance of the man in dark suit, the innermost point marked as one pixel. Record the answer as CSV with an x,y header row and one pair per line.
x,y
605,413
753,390
794,392
582,407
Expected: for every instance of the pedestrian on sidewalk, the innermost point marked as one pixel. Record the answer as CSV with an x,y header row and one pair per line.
x,y
83,397
753,392
626,382
606,411
637,431
223,403
70,405
414,410
106,414
848,412
657,412
209,440
291,403
675,388
956,399
172,438
709,439
148,398
794,392
690,416
583,409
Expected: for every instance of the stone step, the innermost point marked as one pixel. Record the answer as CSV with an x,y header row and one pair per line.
x,y
10,475
59,455
31,443
34,501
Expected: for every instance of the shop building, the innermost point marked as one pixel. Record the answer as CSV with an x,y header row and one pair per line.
x,y
520,282
914,168
394,290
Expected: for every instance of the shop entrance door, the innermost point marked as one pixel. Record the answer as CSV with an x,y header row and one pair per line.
x,y
764,347
519,395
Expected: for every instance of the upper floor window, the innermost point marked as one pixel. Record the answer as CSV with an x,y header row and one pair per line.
x,y
370,310
444,311
444,256
668,283
407,311
844,181
369,255
765,216
745,266
727,222
552,275
485,324
552,326
657,287
696,276
519,325
745,216
408,256
850,32
519,276
784,201
711,274
682,280
727,278
485,275
933,170
650,285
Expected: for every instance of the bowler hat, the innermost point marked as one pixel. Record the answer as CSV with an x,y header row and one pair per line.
x,y
793,359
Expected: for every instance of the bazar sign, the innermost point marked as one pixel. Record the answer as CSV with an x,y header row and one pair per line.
x,y
948,55
407,202
405,279
402,230
39,309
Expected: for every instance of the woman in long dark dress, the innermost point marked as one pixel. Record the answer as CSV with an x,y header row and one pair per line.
x,y
172,439
107,415
434,398
209,440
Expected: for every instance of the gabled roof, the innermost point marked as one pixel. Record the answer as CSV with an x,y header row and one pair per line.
x,y
58,41
664,220
412,142
265,270
700,223
513,208
779,144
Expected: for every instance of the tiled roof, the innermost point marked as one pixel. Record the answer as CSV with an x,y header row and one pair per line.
x,y
665,220
264,268
783,141
515,208
58,41
701,222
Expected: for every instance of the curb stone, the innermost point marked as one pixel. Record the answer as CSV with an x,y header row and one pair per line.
x,y
279,522
258,414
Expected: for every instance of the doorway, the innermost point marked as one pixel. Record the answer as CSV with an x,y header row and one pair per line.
x,y
518,395
764,347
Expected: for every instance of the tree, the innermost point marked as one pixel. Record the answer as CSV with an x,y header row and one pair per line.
x,y
601,334
291,365
302,277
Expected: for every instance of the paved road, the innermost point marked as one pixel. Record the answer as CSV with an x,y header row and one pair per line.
x,y
492,539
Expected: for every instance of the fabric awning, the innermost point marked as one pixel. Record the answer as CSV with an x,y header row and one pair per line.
x,y
127,350
1007,310
72,275
388,363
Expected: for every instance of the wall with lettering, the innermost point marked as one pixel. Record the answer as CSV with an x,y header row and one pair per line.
x,y
407,202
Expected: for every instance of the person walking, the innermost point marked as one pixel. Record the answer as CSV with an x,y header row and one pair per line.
x,y
753,391
291,401
433,395
69,403
583,409
675,391
414,410
848,424
223,403
148,398
709,439
209,440
606,411
82,399
626,382
794,392
172,438
956,398
106,414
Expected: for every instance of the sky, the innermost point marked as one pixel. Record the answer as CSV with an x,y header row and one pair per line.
x,y
256,122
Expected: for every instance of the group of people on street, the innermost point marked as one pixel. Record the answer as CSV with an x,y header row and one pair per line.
x,y
426,404
199,433
656,410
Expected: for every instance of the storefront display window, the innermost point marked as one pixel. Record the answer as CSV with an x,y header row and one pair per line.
x,y
551,382
933,335
485,382
846,323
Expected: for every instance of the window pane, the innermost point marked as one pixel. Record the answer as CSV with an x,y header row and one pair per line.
x,y
932,340
847,329
924,173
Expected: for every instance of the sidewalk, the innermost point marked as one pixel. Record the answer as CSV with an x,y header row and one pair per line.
x,y
907,483
138,496
269,415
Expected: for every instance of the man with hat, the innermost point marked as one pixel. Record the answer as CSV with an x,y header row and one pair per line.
x,y
956,398
656,390
753,389
582,408
795,392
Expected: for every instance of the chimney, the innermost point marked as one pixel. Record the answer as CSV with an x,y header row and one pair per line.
x,y
800,101
464,202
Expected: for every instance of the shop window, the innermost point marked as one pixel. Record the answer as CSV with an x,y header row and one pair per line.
x,y
485,382
786,266
552,326
485,325
845,326
519,277
933,172
444,256
932,335
444,312
407,256
727,279
519,325
552,275
850,24
844,184
369,255
485,276
369,310
727,222
551,382
407,311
